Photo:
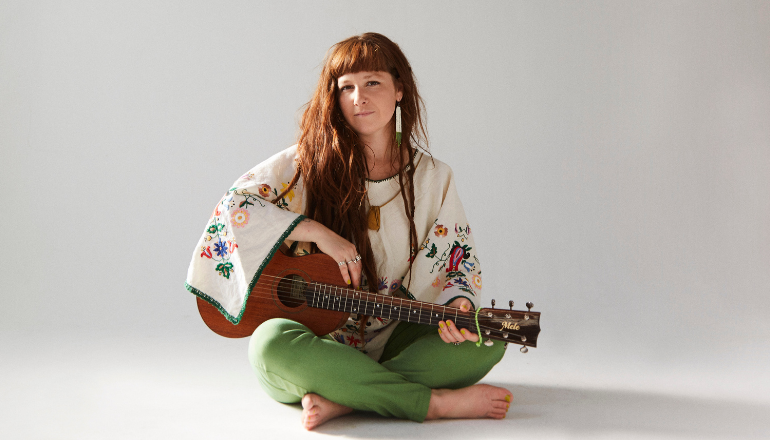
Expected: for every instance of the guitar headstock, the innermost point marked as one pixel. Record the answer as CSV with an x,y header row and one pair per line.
x,y
514,326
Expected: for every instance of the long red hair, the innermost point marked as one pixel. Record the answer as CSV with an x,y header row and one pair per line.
x,y
331,158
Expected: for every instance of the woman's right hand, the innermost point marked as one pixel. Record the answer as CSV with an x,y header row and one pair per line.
x,y
332,245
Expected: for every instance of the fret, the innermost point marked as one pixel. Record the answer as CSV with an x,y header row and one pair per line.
x,y
336,299
336,302
423,314
329,298
344,302
367,303
351,301
430,321
356,303
320,299
313,293
409,313
377,307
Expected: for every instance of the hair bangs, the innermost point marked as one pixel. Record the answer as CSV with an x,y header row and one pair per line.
x,y
358,56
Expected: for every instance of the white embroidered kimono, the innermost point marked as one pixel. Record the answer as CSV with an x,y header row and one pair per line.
x,y
245,230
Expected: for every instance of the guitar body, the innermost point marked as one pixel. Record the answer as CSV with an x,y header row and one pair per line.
x,y
272,297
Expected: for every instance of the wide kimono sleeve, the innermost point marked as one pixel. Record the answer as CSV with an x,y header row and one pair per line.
x,y
446,266
243,233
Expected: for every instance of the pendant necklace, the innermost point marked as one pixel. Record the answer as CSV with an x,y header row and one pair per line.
x,y
373,220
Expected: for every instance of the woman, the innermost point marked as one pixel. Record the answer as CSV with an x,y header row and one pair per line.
x,y
356,188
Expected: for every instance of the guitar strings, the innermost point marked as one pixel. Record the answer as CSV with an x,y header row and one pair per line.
x,y
461,319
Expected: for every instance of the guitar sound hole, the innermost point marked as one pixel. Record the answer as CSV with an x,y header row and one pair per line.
x,y
291,291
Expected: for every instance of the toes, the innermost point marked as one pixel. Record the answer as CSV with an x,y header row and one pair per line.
x,y
496,414
502,394
307,401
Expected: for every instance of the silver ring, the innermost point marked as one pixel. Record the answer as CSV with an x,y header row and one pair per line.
x,y
456,343
341,263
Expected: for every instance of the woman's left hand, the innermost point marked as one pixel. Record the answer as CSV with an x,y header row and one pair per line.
x,y
448,330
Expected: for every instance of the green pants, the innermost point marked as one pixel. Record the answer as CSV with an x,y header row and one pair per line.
x,y
290,361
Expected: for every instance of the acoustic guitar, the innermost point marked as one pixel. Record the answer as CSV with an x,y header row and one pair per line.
x,y
310,290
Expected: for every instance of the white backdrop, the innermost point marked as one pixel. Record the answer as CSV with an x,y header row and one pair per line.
x,y
613,158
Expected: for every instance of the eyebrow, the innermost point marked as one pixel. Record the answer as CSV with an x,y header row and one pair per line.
x,y
367,76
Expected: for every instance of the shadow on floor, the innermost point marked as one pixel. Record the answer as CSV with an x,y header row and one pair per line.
x,y
560,412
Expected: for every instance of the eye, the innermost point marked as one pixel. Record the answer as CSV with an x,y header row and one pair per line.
x,y
347,87
373,83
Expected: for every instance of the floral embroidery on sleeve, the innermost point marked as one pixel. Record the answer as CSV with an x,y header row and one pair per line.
x,y
226,214
456,259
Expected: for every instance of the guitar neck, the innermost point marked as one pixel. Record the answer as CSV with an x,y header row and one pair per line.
x,y
329,297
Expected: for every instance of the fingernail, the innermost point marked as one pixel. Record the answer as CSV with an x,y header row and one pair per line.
x,y
507,407
441,324
508,398
439,331
463,332
348,281
449,323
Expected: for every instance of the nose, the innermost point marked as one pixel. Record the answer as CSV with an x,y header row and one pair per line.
x,y
359,98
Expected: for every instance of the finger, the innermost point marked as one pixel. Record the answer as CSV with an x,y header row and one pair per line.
x,y
345,274
355,273
468,335
445,333
454,331
462,303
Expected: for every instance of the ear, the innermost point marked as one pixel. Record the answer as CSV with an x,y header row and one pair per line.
x,y
399,90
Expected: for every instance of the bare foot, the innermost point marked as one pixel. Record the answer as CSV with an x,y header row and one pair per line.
x,y
473,402
316,410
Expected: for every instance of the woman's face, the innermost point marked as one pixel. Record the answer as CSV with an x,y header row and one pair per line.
x,y
367,100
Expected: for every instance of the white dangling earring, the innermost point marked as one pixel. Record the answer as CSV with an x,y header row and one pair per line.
x,y
398,124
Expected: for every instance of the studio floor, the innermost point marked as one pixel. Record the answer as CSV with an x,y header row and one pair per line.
x,y
195,385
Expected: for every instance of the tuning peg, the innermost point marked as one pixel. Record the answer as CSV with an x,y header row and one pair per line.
x,y
489,342
523,349
529,307
493,304
510,304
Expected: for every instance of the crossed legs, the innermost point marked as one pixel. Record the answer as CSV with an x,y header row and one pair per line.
x,y
419,377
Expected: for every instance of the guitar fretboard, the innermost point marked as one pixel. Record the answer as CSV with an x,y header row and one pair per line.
x,y
328,297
